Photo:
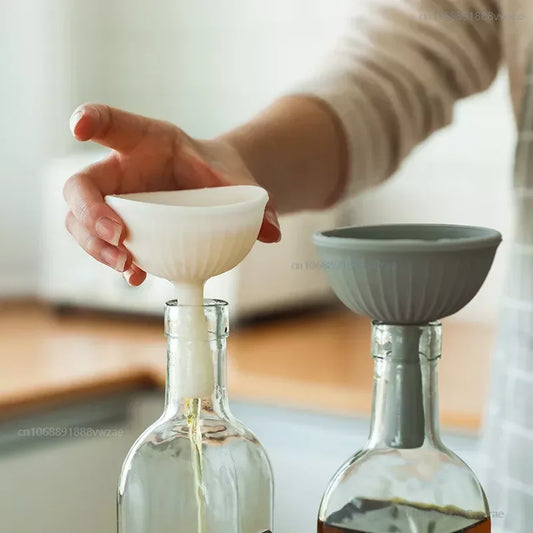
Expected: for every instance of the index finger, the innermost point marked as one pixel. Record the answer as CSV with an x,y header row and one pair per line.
x,y
109,126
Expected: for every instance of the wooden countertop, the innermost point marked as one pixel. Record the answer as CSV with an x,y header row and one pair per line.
x,y
317,360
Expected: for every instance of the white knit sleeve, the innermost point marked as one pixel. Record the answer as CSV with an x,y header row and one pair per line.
x,y
395,75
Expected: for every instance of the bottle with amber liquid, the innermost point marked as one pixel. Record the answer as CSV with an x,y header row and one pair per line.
x,y
404,479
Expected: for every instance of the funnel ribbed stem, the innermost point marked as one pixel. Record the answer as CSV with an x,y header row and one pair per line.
x,y
404,419
405,404
189,293
194,363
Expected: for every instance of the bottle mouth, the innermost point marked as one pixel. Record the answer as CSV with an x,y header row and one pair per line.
x,y
197,322
407,342
208,303
432,324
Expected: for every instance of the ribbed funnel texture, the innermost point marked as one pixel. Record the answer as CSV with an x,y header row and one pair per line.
x,y
193,254
190,236
406,282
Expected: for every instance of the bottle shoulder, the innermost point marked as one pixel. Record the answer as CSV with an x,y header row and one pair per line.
x,y
169,459
425,465
213,429
427,475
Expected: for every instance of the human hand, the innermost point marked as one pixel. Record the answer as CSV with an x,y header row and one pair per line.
x,y
147,155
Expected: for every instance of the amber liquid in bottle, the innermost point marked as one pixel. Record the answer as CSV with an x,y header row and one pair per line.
x,y
480,527
377,516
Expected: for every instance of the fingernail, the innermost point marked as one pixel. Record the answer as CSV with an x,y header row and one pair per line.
x,y
74,119
127,276
114,257
108,230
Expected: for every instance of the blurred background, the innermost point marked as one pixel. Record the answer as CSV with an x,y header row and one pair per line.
x,y
81,349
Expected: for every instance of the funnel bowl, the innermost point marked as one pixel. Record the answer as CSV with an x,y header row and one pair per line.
x,y
191,235
407,274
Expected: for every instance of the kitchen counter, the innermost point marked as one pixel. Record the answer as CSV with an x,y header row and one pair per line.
x,y
316,360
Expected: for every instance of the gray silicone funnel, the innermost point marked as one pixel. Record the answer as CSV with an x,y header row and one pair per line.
x,y
407,274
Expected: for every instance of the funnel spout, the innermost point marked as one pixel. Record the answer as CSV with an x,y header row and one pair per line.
x,y
404,410
404,413
189,294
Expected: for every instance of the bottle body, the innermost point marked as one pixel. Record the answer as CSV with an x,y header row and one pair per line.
x,y
197,469
158,487
405,479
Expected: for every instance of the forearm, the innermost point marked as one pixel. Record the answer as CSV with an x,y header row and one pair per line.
x,y
296,149
392,81
396,74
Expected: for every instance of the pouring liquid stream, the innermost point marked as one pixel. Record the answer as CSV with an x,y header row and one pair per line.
x,y
193,408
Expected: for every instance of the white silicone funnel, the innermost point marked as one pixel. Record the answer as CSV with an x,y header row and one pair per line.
x,y
192,235
188,237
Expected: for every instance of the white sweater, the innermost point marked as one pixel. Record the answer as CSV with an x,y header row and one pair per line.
x,y
396,74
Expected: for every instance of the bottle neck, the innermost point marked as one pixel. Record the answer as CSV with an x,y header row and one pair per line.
x,y
176,403
405,398
196,360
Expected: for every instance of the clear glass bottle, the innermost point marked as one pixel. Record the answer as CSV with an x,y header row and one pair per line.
x,y
404,479
197,469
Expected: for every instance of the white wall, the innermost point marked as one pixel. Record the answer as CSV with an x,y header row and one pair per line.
x,y
33,89
204,65
20,149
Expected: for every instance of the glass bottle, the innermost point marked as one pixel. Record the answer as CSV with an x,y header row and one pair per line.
x,y
404,479
196,469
